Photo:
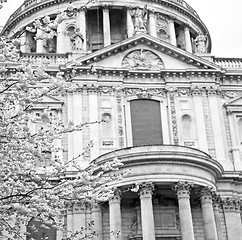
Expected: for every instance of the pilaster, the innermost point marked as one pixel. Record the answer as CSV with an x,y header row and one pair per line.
x,y
231,207
200,120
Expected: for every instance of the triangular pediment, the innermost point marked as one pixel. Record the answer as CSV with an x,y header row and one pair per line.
x,y
49,101
143,51
234,105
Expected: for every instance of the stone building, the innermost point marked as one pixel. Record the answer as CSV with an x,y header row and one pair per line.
x,y
175,113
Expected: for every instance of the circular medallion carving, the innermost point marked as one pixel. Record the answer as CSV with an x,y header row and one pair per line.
x,y
141,59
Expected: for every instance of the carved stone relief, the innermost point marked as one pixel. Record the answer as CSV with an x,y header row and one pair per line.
x,y
142,59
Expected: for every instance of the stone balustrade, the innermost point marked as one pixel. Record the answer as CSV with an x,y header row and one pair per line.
x,y
39,58
229,62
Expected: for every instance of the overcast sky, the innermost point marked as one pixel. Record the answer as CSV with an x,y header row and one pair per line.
x,y
223,19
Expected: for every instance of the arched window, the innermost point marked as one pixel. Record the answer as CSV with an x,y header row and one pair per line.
x,y
39,231
146,122
187,127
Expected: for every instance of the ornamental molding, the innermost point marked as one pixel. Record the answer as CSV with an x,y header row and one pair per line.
x,y
145,189
183,188
231,204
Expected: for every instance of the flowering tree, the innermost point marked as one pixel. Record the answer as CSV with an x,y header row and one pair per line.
x,y
26,190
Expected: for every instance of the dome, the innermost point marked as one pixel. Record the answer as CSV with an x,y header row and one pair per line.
x,y
174,20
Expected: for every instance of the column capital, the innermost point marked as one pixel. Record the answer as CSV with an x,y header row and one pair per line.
x,y
105,7
183,189
116,196
146,189
232,204
206,194
79,207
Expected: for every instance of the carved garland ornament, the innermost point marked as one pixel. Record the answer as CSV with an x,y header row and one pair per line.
x,y
142,59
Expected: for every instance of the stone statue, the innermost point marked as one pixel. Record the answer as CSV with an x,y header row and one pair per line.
x,y
200,43
76,39
139,18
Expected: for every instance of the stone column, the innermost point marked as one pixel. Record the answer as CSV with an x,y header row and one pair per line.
x,y
61,39
147,216
23,42
216,210
172,32
200,119
188,39
152,24
39,42
106,27
115,221
97,222
83,26
130,25
208,214
183,194
233,222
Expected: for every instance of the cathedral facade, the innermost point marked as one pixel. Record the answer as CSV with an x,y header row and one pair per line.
x,y
174,110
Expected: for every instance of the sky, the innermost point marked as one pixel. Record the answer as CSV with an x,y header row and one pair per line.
x,y
223,19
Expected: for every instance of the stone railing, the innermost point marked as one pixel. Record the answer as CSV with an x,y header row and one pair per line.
x,y
51,58
229,62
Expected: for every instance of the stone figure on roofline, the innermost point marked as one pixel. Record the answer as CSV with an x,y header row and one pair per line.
x,y
139,18
200,43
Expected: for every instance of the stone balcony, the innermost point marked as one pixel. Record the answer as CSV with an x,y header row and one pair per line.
x,y
165,164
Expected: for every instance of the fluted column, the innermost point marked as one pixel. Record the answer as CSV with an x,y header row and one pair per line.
x,y
208,214
172,32
147,216
83,27
216,210
115,216
97,222
106,27
152,24
130,25
233,222
183,194
188,42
